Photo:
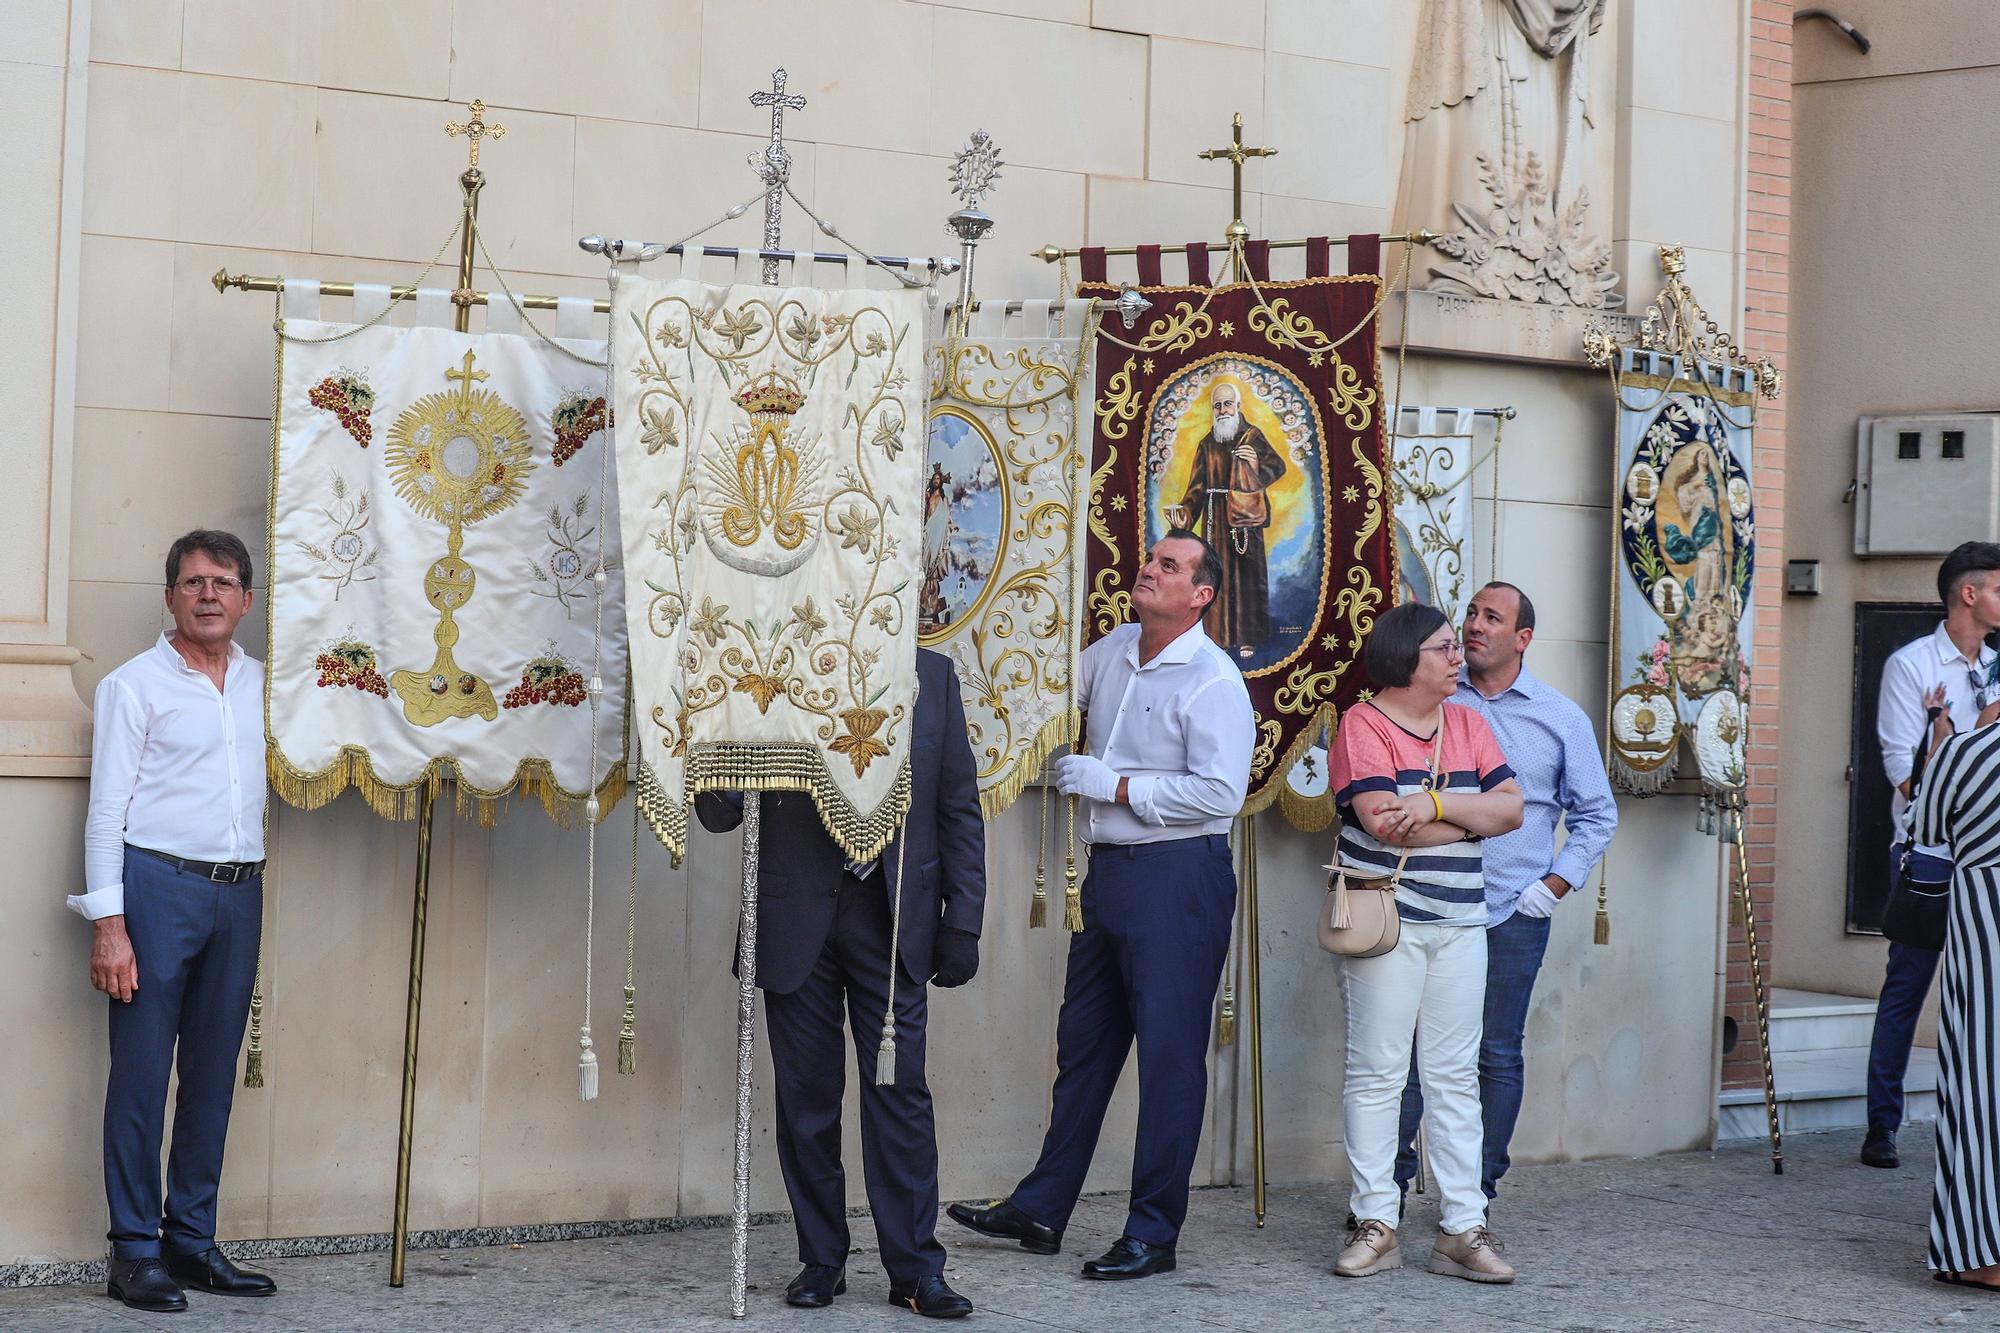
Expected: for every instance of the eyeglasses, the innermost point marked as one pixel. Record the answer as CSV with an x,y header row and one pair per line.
x,y
221,584
1450,648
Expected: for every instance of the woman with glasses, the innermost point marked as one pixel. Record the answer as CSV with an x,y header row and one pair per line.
x,y
1417,776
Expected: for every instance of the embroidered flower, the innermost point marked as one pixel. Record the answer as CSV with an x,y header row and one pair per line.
x,y
659,431
762,688
711,622
856,528
882,617
808,618
826,662
889,437
802,331
859,744
738,327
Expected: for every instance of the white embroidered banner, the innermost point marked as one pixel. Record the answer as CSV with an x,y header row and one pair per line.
x,y
1432,458
771,480
440,507
1001,580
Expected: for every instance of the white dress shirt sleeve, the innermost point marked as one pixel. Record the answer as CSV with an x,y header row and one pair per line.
x,y
1220,729
1589,810
1899,718
118,737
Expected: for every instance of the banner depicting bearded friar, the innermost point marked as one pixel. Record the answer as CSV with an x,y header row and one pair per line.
x,y
1682,633
1253,417
441,510
1001,583
770,462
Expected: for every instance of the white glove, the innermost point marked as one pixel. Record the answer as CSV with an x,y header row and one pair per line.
x,y
1086,775
1537,901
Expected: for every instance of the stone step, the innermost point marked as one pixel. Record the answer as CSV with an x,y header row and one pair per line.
x,y
1811,1021
1825,1089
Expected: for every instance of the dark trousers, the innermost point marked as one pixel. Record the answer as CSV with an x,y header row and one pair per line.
x,y
899,1159
196,947
1144,968
1905,984
1514,951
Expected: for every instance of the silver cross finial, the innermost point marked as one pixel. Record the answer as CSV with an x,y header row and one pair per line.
x,y
776,166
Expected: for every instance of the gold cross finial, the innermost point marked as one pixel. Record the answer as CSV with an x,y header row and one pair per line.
x,y
475,129
466,379
1236,155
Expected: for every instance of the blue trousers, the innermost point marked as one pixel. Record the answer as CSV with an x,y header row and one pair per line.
x,y
1143,969
196,947
1514,951
1904,985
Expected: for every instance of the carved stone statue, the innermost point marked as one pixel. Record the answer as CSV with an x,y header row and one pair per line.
x,y
1497,148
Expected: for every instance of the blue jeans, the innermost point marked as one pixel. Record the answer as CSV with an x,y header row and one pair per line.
x,y
1514,951
1905,984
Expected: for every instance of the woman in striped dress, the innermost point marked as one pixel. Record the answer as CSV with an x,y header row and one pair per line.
x,y
1960,806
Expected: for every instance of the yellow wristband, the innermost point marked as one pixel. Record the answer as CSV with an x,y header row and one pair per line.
x,y
1436,804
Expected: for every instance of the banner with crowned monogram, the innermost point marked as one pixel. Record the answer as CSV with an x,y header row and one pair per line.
x,y
441,513
1001,580
1682,615
772,488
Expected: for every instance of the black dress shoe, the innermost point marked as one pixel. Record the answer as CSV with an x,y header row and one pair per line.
x,y
211,1271
1879,1148
816,1286
999,1217
930,1297
144,1284
1129,1258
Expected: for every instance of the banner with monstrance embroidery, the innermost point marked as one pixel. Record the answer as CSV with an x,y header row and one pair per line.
x,y
440,511
1683,617
1252,414
772,485
1000,586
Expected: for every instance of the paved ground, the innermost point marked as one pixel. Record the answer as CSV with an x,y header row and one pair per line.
x,y
1706,1241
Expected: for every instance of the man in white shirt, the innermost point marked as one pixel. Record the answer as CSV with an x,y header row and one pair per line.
x,y
173,854
1951,670
1170,731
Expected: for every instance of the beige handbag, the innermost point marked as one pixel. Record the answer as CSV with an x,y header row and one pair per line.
x,y
1359,918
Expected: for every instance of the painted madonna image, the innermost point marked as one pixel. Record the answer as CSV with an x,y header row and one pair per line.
x,y
1234,454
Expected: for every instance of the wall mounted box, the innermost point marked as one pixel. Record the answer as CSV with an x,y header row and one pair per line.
x,y
1926,482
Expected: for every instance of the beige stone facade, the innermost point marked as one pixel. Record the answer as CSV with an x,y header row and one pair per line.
x,y
152,142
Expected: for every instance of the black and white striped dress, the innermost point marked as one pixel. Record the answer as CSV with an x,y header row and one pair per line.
x,y
1960,806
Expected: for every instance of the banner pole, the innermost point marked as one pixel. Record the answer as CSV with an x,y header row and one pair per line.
x,y
746,1011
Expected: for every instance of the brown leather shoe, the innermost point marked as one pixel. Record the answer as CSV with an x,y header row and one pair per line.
x,y
1473,1255
1371,1248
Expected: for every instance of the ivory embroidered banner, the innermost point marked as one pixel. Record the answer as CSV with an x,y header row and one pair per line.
x,y
1251,413
440,507
1001,579
1432,452
1682,630
771,477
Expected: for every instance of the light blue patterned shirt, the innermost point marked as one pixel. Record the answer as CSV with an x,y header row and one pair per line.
x,y
1552,748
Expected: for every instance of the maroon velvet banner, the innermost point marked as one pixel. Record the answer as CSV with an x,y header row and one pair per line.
x,y
1252,414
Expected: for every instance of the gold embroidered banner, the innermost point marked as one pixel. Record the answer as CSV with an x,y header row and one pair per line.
x,y
1001,580
771,483
438,517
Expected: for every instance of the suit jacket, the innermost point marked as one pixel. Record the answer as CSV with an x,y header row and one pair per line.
x,y
944,866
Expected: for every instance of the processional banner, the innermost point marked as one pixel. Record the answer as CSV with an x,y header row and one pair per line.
x,y
1432,452
440,511
772,488
1001,585
1252,413
1682,617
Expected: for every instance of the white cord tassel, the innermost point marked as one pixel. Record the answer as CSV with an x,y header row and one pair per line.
x,y
586,1069
885,1055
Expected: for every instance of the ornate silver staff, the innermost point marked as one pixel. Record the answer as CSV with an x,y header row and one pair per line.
x,y
775,166
974,171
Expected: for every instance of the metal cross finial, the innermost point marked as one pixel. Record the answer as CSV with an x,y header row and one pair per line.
x,y
1236,154
776,167
475,129
975,169
466,378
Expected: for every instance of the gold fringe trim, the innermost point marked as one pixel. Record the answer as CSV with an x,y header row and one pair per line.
x,y
1277,791
393,800
767,768
1057,732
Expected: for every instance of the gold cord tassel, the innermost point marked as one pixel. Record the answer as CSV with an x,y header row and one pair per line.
x,y
1603,934
1225,1025
1072,892
628,1056
253,1066
1038,906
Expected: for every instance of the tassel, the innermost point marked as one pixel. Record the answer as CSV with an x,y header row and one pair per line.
x,y
586,1069
1225,1026
1072,891
1603,933
885,1057
253,1065
628,1037
1038,906
1342,915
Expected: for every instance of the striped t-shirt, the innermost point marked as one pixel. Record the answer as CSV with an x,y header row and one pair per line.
x,y
1372,753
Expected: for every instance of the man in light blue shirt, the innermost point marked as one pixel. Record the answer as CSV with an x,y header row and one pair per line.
x,y
1552,748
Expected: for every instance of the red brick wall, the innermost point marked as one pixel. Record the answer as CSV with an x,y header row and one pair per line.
x,y
1765,321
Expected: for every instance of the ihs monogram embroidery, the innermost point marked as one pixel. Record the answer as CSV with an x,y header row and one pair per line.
x,y
456,457
345,557
565,573
346,394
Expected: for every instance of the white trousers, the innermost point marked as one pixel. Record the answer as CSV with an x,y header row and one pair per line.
x,y
1431,988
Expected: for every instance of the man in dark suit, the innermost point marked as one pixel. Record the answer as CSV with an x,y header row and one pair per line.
x,y
823,957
